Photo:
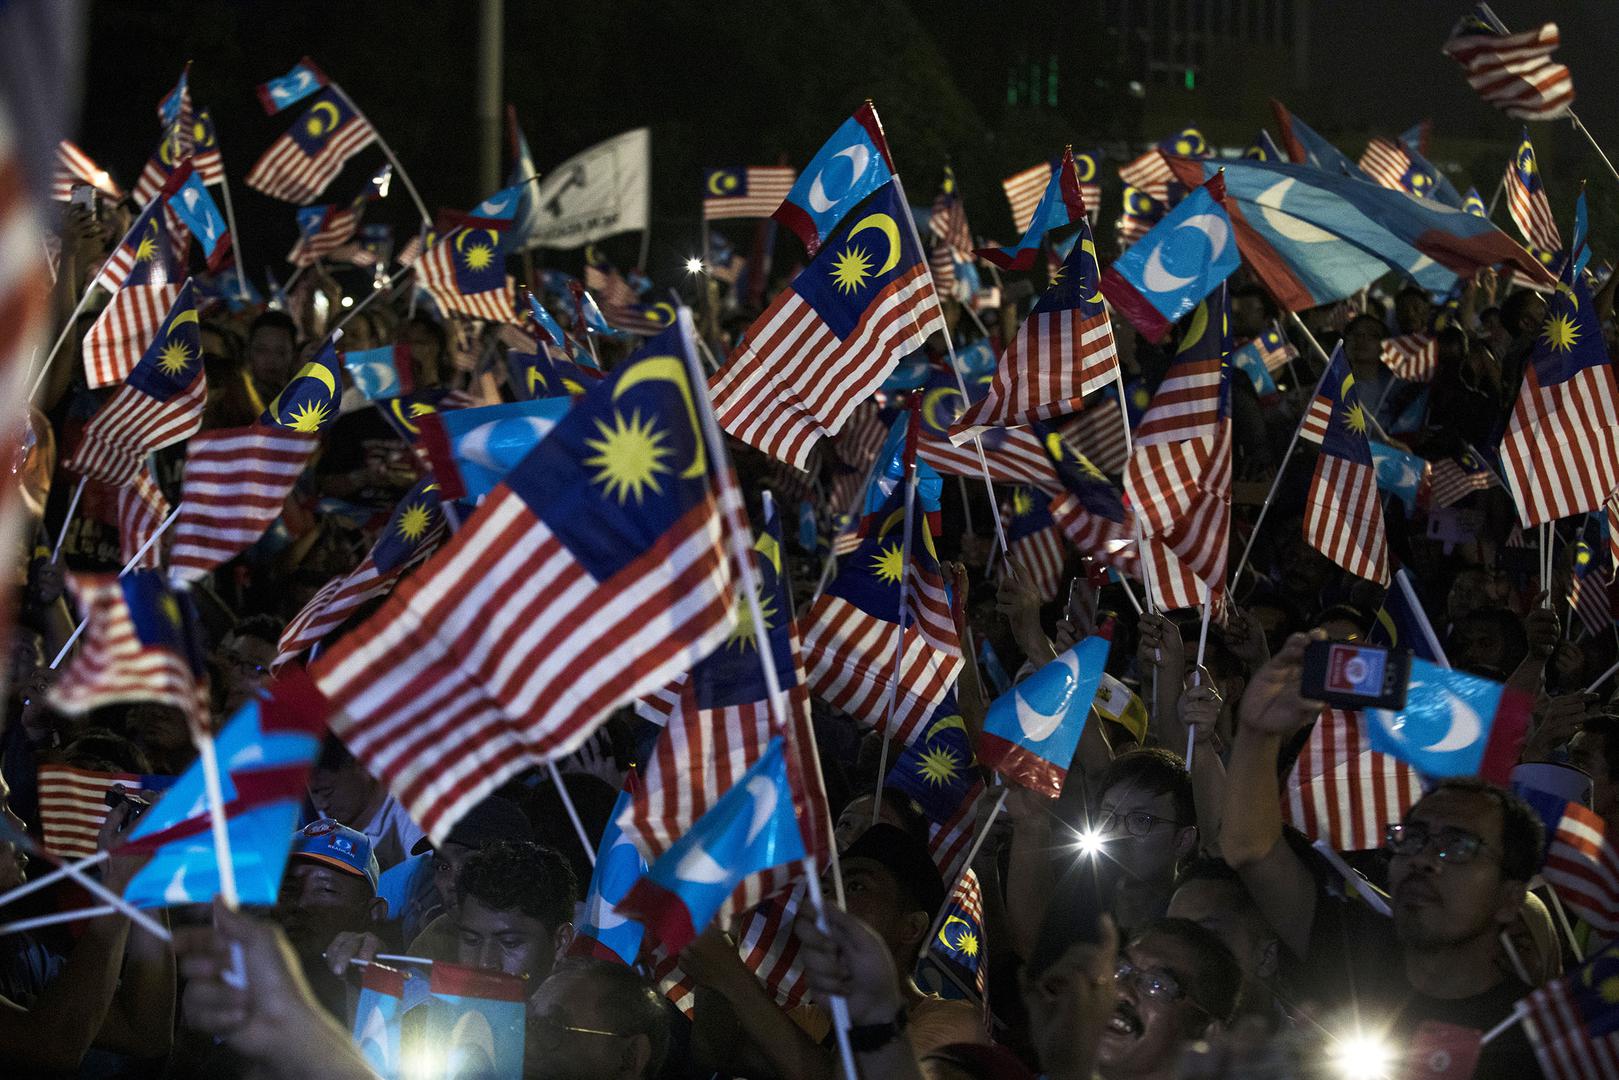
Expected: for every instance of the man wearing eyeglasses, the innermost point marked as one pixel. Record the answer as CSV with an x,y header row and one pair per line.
x,y
1147,822
1174,983
1458,871
594,1019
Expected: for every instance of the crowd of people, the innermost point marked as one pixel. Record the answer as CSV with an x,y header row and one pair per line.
x,y
1153,921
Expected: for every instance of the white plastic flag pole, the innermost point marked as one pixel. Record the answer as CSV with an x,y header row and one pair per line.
x,y
67,519
573,812
128,566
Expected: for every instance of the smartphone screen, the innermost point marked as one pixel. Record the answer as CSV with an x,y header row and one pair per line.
x,y
1356,676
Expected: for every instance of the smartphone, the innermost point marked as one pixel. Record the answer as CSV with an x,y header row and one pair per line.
x,y
84,195
137,805
1356,676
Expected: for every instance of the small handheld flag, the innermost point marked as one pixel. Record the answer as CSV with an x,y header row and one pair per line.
x,y
1031,732
1453,724
289,89
1179,262
603,932
1060,204
852,164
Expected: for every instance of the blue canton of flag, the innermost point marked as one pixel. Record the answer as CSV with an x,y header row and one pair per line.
x,y
1031,732
732,674
385,372
289,89
750,829
1169,271
938,770
602,932
1263,148
1453,724
1474,204
472,450
1402,624
177,101
412,522
196,208
852,164
959,944
308,403
544,374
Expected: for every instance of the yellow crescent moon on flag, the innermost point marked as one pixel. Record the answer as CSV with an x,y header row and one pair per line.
x,y
945,724
715,179
670,369
536,376
1054,445
663,313
1343,391
896,518
1084,166
945,929
321,373
314,126
889,228
1087,247
930,403
189,315
404,421
1199,326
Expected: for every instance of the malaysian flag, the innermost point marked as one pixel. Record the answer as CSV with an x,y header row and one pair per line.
x,y
144,278
1274,349
1412,357
1178,480
1391,165
1013,455
323,230
237,480
413,533
1100,432
855,628
1588,591
1342,792
959,943
464,267
1139,214
1086,165
159,404
1023,191
1090,510
1063,351
721,724
1454,478
1513,72
947,220
1527,202
1034,545
142,507
593,573
938,771
74,166
140,644
1583,866
1561,451
751,192
1343,518
73,804
298,166
827,342
1151,174
201,143
1573,1021
621,305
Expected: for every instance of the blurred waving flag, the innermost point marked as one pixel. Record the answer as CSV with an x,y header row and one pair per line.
x,y
1561,450
593,573
1150,173
381,373
472,450
1264,148
413,532
1086,167
1171,269
1343,792
1573,1021
546,374
1397,168
544,322
464,267
1455,478
73,805
1139,212
1024,191
621,305
304,79
159,404
1474,204
753,191
1412,357
960,943
1582,863
188,199
1314,237
195,139
1401,474
1034,543
264,751
851,165
1453,724
1032,731
1090,510
947,219
142,507
237,480
602,932
1305,146
1063,351
1060,204
1527,202
74,166
749,829
1588,594
938,771
298,166
1513,72
325,229
1014,455
828,341
1250,360
1343,518
144,277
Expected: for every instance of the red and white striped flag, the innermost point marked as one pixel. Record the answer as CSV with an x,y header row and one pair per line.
x,y
1583,866
1149,173
1099,433
142,508
947,219
1455,478
1023,191
1527,202
144,276
1343,517
468,278
754,191
827,342
1387,162
1513,72
1412,357
1034,543
1560,1021
298,166
1588,591
592,574
73,805
620,304
1342,792
74,166
335,229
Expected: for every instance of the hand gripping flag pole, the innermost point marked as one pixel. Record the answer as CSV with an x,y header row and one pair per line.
x,y
742,555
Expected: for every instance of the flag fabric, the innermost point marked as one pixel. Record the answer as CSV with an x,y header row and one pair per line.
x,y
381,373
1264,148
1063,351
1031,732
601,191
190,202
1086,166
621,305
74,166
1034,543
938,771
1100,432
546,374
1531,210
947,219
960,943
1139,213
1060,204
298,166
1249,359
1305,146
1582,864
1588,591
1116,702
1343,792
754,191
73,804
1179,262
602,932
464,268
849,167
141,644
545,323
1412,357
278,93
471,450
1561,451
1342,517
324,230
159,404
454,1021
412,533
1453,724
828,341
237,480
1013,455
1573,1021
1397,168
593,573
1024,190
1090,510
1513,72
144,277
1401,474
993,670
1401,622
1150,173
142,508
749,829
1455,478
1473,203
195,139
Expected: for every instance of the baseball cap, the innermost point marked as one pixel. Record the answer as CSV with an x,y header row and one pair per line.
x,y
335,844
903,855
493,819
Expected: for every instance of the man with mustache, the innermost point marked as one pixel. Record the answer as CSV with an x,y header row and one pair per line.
x,y
1174,983
1459,867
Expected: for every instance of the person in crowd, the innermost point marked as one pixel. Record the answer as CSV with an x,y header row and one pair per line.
x,y
1174,982
595,1020
243,658
341,789
330,887
1146,823
422,889
272,347
514,908
1210,893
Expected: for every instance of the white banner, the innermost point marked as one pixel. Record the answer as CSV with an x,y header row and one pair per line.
x,y
599,192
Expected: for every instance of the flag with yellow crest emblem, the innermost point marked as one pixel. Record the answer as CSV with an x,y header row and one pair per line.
x,y
1343,518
